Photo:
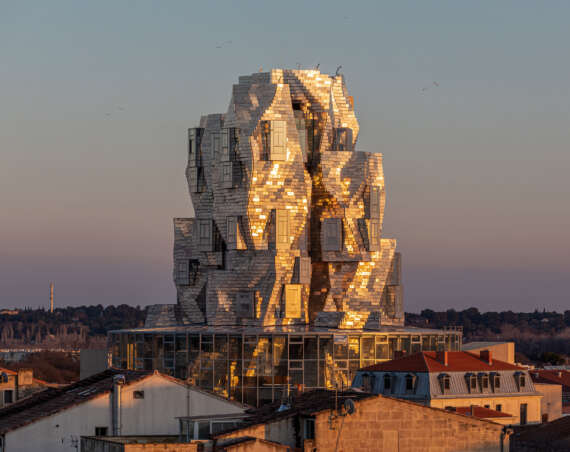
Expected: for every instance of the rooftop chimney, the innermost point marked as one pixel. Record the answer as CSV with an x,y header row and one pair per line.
x,y
442,358
486,355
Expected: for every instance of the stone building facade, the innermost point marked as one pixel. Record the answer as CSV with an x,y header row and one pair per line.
x,y
285,247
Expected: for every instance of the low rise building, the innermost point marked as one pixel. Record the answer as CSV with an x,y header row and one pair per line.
x,y
450,380
549,437
503,351
16,385
349,421
551,402
555,376
109,403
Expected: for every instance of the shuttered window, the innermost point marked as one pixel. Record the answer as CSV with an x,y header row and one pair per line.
x,y
182,270
205,234
332,234
194,146
293,301
244,304
374,235
278,140
232,225
282,229
227,175
304,270
216,145
375,202
225,156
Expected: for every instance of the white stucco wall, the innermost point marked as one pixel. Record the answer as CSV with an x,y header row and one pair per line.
x,y
164,400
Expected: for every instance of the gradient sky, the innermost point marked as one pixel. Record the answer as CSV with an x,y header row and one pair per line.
x,y
96,97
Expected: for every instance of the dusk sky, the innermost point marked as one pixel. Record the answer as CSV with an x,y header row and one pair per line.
x,y
96,99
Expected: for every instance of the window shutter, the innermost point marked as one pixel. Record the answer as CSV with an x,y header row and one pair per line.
x,y
282,229
232,232
332,234
194,146
193,179
244,304
182,268
225,146
375,202
292,301
227,175
374,235
216,141
205,235
278,140
304,270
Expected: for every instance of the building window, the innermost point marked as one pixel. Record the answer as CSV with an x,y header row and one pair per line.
x,y
473,382
332,234
498,407
244,305
342,139
484,381
523,413
232,226
227,175
100,431
410,382
8,396
194,146
205,234
487,406
445,383
496,382
309,429
138,394
387,383
216,142
278,149
293,301
522,380
374,203
374,235
282,229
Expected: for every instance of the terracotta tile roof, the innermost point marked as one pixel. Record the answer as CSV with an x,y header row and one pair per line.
x,y
561,377
480,412
53,400
427,362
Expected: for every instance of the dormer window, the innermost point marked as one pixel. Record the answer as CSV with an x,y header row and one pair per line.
x,y
496,381
367,382
484,381
471,381
445,383
410,383
520,379
387,383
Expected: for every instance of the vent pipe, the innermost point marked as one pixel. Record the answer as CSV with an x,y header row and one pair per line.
x,y
118,382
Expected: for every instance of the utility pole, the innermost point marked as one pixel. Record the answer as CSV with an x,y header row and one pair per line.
x,y
51,286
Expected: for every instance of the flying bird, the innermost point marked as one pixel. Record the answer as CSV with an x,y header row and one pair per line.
x,y
425,88
222,44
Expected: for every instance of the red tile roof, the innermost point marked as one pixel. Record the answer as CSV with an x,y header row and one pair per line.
x,y
561,377
428,362
480,412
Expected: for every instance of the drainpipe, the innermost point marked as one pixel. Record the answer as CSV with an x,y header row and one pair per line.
x,y
506,432
118,382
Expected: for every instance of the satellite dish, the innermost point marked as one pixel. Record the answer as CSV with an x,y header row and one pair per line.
x,y
349,406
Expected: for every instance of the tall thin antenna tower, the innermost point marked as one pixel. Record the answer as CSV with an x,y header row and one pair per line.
x,y
51,287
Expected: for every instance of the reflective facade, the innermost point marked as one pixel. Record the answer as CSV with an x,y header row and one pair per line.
x,y
257,367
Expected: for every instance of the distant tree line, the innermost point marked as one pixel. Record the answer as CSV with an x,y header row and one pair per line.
x,y
67,328
540,336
